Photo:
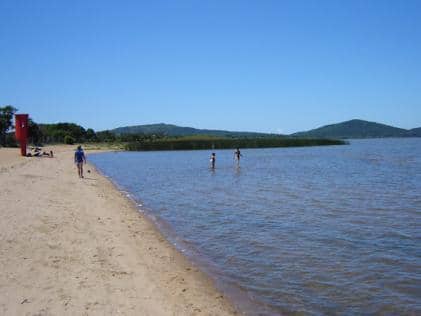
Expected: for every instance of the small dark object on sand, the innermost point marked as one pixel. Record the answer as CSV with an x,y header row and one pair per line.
x,y
89,171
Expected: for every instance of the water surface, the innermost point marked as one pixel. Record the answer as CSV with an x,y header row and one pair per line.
x,y
316,230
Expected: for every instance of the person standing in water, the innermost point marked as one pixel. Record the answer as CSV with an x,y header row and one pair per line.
x,y
80,159
237,155
213,160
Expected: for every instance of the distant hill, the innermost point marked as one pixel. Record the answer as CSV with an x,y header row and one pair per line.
x,y
174,130
349,129
415,132
358,129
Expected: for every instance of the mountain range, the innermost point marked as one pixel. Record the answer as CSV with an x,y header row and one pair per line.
x,y
350,129
174,130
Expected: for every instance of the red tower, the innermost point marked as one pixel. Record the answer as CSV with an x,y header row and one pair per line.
x,y
21,128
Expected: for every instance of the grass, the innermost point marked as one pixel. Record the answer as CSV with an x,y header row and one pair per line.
x,y
191,143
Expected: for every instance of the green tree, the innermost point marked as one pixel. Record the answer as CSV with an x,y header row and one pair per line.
x,y
55,133
69,140
34,133
106,136
90,135
6,122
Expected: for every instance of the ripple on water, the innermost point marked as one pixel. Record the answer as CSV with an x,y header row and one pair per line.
x,y
321,230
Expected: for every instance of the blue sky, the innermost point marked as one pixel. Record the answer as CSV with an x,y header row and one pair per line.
x,y
270,66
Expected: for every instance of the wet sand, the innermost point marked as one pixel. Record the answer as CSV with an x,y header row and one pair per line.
x,y
73,246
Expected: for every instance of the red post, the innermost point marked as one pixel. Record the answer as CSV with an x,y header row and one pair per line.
x,y
21,128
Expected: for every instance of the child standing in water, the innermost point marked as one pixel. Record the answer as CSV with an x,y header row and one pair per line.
x,y
237,155
213,160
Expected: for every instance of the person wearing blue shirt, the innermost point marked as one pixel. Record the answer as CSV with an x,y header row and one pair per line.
x,y
80,159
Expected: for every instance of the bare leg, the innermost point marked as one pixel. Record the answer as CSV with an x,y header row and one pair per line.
x,y
80,170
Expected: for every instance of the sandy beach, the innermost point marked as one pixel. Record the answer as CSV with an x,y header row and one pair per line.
x,y
73,246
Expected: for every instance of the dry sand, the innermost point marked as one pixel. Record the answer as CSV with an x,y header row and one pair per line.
x,y
79,247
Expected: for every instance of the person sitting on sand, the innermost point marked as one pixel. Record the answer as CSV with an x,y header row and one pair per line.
x,y
37,152
80,159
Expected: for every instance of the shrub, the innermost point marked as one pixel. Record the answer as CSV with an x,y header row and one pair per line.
x,y
11,140
69,140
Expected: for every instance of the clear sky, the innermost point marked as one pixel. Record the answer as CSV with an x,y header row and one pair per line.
x,y
269,66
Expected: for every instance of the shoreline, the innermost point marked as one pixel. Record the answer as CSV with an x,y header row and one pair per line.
x,y
236,297
75,246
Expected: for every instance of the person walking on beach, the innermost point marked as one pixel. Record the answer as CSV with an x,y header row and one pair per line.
x,y
237,155
80,159
213,160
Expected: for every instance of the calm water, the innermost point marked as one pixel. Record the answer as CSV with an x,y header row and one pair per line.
x,y
316,230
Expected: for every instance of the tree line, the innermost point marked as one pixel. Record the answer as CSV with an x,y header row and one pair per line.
x,y
71,133
60,133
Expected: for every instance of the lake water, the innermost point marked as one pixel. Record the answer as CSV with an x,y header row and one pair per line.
x,y
315,230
